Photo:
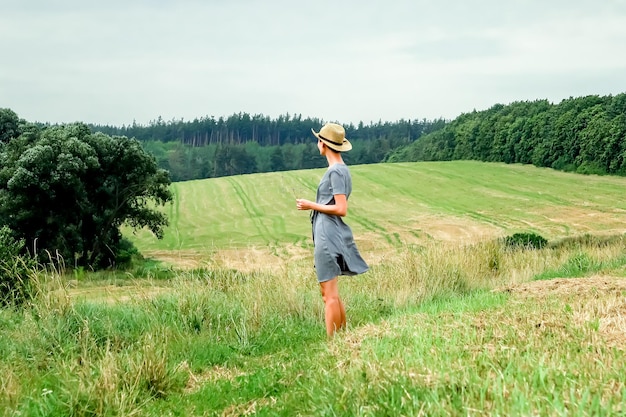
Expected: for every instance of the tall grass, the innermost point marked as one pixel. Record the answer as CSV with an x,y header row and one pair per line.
x,y
426,336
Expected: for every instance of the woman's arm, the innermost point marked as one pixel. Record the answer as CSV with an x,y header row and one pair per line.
x,y
340,208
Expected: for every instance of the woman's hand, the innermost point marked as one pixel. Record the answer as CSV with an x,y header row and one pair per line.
x,y
303,204
340,208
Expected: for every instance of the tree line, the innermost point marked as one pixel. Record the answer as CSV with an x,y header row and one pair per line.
x,y
243,144
241,128
584,134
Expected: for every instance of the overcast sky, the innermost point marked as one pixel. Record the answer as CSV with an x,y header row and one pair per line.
x,y
112,62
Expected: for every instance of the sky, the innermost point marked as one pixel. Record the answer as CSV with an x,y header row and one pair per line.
x,y
117,62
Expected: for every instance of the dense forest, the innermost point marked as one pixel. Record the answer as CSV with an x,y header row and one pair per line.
x,y
585,135
244,144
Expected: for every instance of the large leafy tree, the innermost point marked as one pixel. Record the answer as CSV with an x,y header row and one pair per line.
x,y
67,191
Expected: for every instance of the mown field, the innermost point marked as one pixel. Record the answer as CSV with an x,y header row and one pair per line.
x,y
449,321
251,220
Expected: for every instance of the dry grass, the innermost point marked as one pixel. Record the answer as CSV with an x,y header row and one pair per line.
x,y
599,300
211,375
115,294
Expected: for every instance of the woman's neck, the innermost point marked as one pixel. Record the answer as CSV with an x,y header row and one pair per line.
x,y
334,158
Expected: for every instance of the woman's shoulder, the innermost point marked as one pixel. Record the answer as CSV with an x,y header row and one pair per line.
x,y
342,168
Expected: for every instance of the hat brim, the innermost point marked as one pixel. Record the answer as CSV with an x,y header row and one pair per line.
x,y
344,147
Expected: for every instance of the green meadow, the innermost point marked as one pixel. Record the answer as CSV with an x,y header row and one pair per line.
x,y
224,317
392,205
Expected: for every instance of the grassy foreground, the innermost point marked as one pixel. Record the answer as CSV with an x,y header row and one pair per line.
x,y
439,330
448,322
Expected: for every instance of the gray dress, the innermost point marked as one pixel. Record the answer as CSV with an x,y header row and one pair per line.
x,y
335,251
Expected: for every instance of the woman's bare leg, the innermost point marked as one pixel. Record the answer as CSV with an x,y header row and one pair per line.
x,y
334,312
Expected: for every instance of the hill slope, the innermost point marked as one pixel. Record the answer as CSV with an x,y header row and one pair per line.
x,y
244,219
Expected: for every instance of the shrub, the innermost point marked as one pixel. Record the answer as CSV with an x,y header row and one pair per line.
x,y
125,252
120,254
591,168
15,269
525,240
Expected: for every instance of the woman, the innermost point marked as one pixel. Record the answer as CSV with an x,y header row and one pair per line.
x,y
335,251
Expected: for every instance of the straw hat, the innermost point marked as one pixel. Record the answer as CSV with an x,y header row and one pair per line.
x,y
334,136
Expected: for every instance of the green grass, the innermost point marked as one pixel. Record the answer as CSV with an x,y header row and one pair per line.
x,y
392,205
435,331
436,327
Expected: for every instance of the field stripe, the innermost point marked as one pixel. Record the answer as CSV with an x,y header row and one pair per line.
x,y
253,213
